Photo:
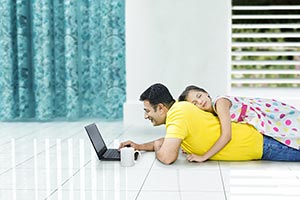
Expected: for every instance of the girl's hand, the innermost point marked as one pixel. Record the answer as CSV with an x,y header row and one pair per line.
x,y
195,158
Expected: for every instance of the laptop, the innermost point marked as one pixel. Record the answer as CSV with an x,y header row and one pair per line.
x,y
102,151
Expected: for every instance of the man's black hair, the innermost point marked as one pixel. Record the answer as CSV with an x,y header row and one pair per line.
x,y
158,93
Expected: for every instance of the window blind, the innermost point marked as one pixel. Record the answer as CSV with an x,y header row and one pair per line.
x,y
265,47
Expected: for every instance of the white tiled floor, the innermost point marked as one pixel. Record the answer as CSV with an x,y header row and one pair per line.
x,y
55,160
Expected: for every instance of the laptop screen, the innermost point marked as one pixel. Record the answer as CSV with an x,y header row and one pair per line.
x,y
96,138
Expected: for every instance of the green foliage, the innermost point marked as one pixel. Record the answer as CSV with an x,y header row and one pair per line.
x,y
267,41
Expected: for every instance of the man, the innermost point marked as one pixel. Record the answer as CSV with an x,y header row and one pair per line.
x,y
196,131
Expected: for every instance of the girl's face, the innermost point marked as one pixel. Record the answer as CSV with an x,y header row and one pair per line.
x,y
200,99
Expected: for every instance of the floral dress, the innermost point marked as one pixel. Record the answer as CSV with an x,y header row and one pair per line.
x,y
270,117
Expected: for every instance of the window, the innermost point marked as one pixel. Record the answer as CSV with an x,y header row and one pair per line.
x,y
265,50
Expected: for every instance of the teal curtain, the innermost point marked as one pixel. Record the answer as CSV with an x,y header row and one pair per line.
x,y
62,59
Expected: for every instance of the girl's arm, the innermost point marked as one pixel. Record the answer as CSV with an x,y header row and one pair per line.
x,y
222,108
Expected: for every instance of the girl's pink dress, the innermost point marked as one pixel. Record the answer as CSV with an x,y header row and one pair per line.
x,y
270,117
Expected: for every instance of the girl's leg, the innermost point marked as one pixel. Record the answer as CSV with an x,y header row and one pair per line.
x,y
274,150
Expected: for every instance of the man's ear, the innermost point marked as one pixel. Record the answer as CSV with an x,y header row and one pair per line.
x,y
161,107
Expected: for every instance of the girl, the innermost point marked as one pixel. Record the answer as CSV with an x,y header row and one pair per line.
x,y
270,117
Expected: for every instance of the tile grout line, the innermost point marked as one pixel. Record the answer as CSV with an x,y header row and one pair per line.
x,y
48,126
50,147
222,180
297,177
145,179
22,162
179,186
75,173
24,136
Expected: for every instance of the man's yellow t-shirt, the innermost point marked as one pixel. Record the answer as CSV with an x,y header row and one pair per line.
x,y
199,130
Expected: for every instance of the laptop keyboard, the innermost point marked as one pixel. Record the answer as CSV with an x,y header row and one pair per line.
x,y
112,153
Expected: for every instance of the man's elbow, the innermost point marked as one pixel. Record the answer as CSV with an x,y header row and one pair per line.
x,y
165,159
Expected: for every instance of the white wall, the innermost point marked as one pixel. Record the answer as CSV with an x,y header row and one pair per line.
x,y
177,43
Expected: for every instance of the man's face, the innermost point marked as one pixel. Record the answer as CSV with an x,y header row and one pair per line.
x,y
157,117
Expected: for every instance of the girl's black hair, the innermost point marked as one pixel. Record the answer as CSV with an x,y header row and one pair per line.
x,y
183,95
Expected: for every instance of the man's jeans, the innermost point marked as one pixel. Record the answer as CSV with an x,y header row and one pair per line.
x,y
274,150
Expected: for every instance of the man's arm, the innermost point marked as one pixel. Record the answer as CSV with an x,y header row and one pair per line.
x,y
166,149
149,146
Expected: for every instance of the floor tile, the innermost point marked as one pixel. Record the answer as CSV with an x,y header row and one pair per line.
x,y
200,180
117,178
166,180
94,195
23,194
165,195
57,160
30,179
203,196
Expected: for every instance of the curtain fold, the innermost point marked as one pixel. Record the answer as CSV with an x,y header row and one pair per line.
x,y
62,59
